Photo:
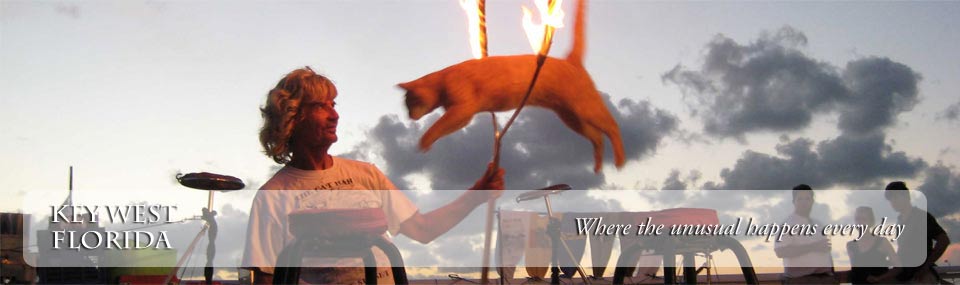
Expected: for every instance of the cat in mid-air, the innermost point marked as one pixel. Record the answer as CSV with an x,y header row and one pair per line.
x,y
498,83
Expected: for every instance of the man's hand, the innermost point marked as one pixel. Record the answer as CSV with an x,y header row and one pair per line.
x,y
489,187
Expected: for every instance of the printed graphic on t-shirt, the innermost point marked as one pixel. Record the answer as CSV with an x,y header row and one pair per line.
x,y
339,184
333,195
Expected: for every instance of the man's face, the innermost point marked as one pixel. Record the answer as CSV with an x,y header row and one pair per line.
x,y
803,203
900,202
318,126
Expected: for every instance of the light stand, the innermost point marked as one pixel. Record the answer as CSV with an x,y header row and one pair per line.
x,y
553,229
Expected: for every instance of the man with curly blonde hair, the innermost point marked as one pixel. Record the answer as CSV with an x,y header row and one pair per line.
x,y
299,126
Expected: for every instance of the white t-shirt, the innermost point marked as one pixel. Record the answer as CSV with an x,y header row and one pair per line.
x,y
813,262
348,184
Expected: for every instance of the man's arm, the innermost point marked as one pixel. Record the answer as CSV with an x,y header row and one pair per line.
x,y
939,235
851,248
938,249
424,228
890,275
264,237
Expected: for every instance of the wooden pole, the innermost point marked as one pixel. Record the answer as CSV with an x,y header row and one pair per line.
x,y
71,186
488,228
498,134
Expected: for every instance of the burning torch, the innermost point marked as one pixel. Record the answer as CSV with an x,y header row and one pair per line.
x,y
477,19
551,18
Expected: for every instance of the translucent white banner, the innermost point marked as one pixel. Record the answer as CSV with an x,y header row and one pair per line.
x,y
590,228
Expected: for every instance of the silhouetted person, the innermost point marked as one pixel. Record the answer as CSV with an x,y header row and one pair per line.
x,y
871,256
915,246
806,258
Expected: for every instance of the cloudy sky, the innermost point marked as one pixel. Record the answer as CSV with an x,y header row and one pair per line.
x,y
708,95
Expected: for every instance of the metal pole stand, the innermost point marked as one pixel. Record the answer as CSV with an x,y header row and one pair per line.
x,y
553,229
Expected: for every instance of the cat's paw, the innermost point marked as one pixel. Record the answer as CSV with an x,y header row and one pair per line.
x,y
424,146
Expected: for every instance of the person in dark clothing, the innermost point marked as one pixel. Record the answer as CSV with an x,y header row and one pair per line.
x,y
871,256
919,250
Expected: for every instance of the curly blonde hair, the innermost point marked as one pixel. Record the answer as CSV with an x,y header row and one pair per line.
x,y
282,109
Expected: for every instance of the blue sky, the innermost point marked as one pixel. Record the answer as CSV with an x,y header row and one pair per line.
x,y
131,92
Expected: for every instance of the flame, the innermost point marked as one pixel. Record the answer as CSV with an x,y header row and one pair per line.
x,y
551,15
472,8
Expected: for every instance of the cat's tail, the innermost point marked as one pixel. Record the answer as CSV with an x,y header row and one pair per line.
x,y
579,34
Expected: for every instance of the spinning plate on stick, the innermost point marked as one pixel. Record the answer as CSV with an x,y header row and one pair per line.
x,y
210,181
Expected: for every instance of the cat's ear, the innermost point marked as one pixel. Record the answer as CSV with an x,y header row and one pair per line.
x,y
406,85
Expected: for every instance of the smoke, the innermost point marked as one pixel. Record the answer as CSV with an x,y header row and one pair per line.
x,y
772,85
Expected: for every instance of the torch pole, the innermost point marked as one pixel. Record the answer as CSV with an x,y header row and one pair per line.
x,y
541,59
482,8
498,134
488,230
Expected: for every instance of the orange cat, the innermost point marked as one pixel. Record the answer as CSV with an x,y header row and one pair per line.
x,y
498,83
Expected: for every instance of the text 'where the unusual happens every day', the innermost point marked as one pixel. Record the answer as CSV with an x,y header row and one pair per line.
x,y
775,231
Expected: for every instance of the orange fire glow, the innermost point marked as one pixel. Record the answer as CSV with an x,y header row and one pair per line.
x,y
551,15
473,25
